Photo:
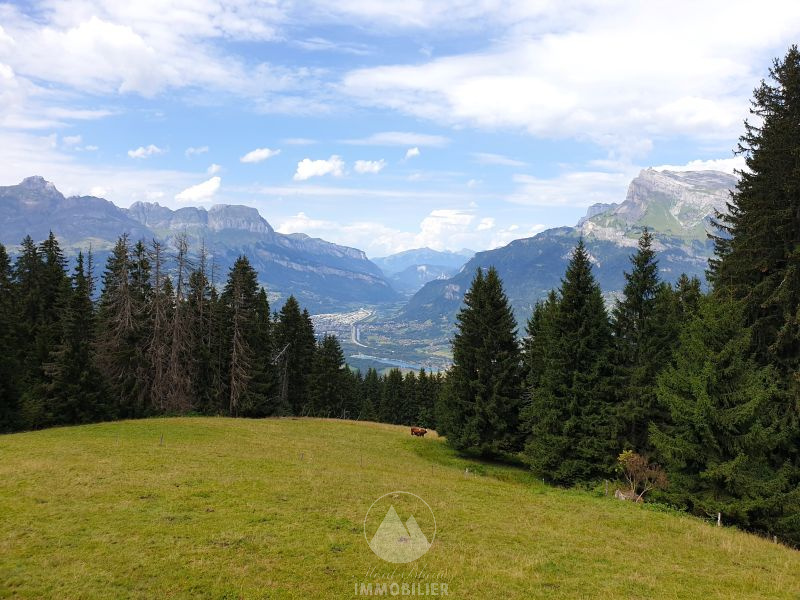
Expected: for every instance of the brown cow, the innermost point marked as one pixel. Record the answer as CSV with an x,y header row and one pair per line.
x,y
420,431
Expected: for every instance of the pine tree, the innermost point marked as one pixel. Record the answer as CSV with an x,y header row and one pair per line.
x,y
294,330
641,323
74,389
536,343
757,252
200,315
426,400
391,397
570,414
265,399
180,365
119,342
370,396
328,383
408,410
239,298
724,448
43,291
482,407
9,365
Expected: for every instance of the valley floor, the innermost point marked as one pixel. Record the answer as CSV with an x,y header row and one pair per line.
x,y
274,508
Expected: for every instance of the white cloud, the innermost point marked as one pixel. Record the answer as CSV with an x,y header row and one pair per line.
x,y
727,165
259,154
441,229
611,74
98,191
369,166
579,188
412,152
308,168
195,150
202,192
299,141
23,154
487,158
213,169
145,151
400,138
71,140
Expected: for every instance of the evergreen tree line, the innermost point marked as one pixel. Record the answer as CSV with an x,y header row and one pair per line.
x,y
707,385
160,337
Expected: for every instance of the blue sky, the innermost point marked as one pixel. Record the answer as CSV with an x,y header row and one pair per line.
x,y
381,125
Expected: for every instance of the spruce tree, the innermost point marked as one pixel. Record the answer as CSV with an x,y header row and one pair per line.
x,y
74,389
391,398
570,416
239,299
328,383
483,403
641,323
200,311
724,449
119,344
426,400
9,361
294,332
370,396
757,254
265,398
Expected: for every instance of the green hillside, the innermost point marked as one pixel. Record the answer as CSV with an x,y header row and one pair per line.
x,y
228,508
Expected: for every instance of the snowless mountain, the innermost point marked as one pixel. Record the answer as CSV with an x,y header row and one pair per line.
x,y
676,206
324,276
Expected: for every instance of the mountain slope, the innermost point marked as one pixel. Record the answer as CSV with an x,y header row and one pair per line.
x,y
254,508
324,276
676,206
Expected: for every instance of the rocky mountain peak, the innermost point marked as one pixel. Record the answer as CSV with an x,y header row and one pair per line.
x,y
38,189
236,216
676,203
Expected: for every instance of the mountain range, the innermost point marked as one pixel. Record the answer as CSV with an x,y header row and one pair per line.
x,y
676,206
322,275
410,270
329,278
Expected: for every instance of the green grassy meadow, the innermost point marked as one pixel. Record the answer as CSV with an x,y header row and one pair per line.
x,y
274,508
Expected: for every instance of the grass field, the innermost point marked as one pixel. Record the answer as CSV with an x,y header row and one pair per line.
x,y
229,508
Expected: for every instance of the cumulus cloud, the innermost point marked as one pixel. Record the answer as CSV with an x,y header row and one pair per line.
x,y
607,75
195,150
202,192
308,168
71,140
259,154
441,229
213,169
369,166
145,151
412,152
400,138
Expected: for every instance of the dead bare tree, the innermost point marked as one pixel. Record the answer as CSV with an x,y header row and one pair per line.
x,y
178,373
158,344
